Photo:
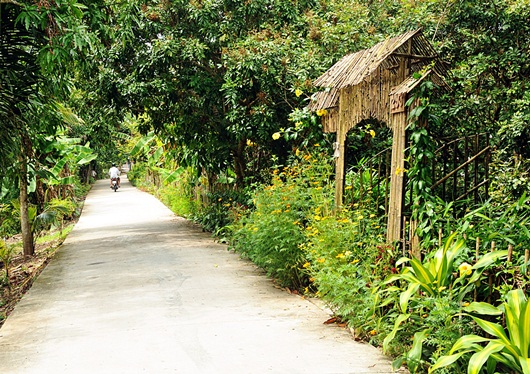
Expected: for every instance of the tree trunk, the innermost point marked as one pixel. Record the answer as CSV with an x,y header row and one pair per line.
x,y
25,224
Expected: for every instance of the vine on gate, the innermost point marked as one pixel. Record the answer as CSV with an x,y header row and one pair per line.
x,y
421,154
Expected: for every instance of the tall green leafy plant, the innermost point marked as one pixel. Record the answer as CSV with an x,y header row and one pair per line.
x,y
432,278
6,255
421,154
506,348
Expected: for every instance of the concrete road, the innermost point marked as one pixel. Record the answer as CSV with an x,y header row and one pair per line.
x,y
135,289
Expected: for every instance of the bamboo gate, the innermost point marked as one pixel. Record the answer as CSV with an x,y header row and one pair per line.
x,y
459,174
375,84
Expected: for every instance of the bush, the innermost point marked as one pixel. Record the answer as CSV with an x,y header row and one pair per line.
x,y
272,235
222,210
348,258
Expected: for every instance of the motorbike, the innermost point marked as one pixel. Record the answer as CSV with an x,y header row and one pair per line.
x,y
114,184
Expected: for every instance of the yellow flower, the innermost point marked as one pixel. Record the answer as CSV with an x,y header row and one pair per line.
x,y
317,145
321,260
306,265
276,135
465,269
298,92
372,133
465,303
373,332
355,261
250,143
322,112
348,187
297,152
340,255
400,171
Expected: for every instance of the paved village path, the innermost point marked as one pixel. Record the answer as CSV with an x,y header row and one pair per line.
x,y
135,289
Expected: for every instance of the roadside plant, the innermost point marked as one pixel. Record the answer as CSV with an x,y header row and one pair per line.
x,y
53,215
347,258
434,278
273,233
506,348
6,255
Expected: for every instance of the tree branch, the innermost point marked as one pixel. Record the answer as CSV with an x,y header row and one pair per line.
x,y
10,2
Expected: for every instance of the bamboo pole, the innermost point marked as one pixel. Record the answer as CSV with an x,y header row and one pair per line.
x,y
490,276
526,258
477,253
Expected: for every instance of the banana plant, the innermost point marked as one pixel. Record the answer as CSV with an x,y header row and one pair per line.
x,y
152,150
71,153
53,214
508,346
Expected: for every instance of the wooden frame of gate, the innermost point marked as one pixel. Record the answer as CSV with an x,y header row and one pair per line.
x,y
376,83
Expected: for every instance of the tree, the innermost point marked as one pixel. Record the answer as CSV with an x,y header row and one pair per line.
x,y
33,65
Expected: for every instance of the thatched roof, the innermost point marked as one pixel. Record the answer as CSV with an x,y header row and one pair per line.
x,y
356,67
324,99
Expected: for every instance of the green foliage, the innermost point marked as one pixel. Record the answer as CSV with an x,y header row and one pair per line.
x,y
421,155
222,209
505,223
177,194
507,349
433,279
6,254
272,234
53,215
347,258
510,178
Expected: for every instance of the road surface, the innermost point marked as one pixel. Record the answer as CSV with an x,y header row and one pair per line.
x,y
135,289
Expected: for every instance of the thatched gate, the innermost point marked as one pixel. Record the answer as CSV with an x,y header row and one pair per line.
x,y
375,84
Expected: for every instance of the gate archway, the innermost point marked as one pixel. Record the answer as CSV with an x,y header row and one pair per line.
x,y
375,83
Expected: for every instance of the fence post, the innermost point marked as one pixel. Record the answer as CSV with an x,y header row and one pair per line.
x,y
490,276
526,258
404,237
477,252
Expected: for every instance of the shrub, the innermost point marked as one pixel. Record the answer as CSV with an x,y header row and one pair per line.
x,y
272,235
348,258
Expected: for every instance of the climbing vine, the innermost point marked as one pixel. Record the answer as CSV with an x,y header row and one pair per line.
x,y
421,154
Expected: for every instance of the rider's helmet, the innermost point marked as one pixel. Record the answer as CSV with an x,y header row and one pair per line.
x,y
113,164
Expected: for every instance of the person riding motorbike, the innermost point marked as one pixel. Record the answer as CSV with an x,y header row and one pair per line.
x,y
114,173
